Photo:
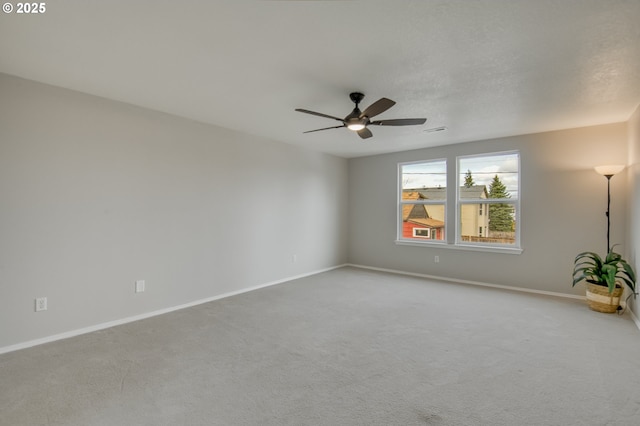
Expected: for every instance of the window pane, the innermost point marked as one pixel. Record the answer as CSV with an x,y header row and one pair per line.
x,y
496,227
431,174
423,221
497,174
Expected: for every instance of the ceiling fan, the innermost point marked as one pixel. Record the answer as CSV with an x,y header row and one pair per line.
x,y
358,120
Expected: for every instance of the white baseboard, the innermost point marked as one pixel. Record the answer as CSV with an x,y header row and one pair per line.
x,y
109,324
478,283
635,319
126,320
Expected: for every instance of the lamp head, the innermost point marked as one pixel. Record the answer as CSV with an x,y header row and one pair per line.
x,y
609,170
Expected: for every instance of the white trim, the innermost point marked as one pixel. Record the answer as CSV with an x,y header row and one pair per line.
x,y
126,320
476,283
468,247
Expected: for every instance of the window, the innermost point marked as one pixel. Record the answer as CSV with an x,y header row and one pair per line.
x,y
422,232
489,182
484,191
422,200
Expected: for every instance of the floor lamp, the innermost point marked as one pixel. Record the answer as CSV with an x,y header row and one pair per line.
x,y
608,172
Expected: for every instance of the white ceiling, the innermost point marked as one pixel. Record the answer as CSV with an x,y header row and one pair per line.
x,y
483,68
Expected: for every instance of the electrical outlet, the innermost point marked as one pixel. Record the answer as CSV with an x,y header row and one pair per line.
x,y
294,258
41,304
436,259
140,285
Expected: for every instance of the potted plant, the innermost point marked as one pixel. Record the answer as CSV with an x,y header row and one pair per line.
x,y
604,279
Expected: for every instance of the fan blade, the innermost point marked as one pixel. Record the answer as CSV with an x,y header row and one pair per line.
x,y
364,133
326,128
306,111
378,107
399,122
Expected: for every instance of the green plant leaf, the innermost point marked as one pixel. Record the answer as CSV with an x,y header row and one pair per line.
x,y
629,271
591,267
590,255
586,262
611,256
629,284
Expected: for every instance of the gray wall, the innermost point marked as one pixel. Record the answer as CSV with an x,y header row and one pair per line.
x,y
95,194
633,172
563,202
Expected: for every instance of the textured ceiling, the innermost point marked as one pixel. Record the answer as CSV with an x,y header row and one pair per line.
x,y
483,69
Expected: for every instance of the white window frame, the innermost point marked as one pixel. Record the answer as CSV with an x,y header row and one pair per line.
x,y
486,202
452,238
401,202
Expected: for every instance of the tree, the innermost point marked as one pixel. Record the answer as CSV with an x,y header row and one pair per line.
x,y
468,180
500,215
497,189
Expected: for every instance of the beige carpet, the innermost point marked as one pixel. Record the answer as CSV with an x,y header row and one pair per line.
x,y
345,347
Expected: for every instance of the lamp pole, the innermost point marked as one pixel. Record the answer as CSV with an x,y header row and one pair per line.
x,y
608,172
608,210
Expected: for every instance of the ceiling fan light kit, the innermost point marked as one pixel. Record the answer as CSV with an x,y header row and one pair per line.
x,y
358,121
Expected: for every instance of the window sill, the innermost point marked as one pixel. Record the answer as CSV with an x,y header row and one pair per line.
x,y
465,247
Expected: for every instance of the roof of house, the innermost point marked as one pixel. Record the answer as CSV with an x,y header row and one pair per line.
x,y
440,193
416,211
431,223
418,214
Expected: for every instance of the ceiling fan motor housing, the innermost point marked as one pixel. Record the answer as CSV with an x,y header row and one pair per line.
x,y
355,120
356,97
